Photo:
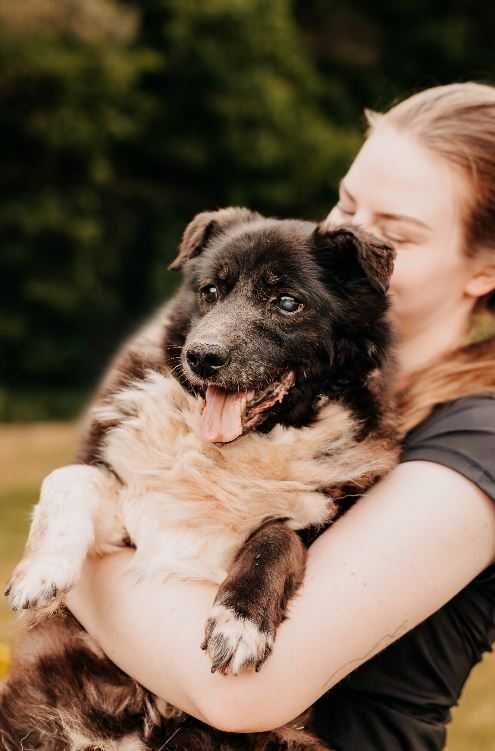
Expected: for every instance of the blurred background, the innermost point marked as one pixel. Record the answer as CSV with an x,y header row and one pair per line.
x,y
118,122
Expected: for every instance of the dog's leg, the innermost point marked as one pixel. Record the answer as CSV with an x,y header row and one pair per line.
x,y
252,601
63,531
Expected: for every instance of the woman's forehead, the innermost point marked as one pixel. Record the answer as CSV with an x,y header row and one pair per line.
x,y
394,174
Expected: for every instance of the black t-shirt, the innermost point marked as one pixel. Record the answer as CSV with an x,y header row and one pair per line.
x,y
400,700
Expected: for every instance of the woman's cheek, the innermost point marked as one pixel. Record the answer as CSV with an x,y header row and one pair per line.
x,y
409,272
409,284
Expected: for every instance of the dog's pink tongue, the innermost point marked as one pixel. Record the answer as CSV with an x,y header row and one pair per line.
x,y
221,419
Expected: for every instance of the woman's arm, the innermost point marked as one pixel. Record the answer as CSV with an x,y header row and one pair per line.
x,y
401,553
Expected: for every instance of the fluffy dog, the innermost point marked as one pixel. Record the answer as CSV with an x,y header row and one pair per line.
x,y
258,404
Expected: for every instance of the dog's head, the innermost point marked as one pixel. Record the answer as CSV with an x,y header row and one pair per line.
x,y
274,314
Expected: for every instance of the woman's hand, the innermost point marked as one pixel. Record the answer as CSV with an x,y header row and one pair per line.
x,y
401,553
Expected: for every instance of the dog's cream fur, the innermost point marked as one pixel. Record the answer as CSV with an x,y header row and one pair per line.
x,y
186,505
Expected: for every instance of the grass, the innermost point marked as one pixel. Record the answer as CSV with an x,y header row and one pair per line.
x,y
29,452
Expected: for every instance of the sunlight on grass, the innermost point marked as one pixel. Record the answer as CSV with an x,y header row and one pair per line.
x,y
29,452
473,726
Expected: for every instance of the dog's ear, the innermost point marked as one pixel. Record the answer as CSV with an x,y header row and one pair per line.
x,y
350,255
204,227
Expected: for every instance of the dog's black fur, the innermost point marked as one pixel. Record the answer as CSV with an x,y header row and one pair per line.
x,y
339,337
289,296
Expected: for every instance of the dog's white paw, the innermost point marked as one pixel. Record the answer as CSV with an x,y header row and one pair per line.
x,y
234,644
38,581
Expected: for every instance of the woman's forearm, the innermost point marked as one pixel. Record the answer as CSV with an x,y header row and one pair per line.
x,y
384,567
151,629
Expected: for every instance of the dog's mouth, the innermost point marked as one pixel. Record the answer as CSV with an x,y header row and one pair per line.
x,y
226,416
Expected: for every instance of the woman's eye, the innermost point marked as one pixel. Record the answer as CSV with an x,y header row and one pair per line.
x,y
394,239
209,293
288,304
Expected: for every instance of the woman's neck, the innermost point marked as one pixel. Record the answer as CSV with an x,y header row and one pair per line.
x,y
418,346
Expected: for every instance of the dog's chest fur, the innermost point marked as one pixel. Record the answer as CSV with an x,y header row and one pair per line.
x,y
202,500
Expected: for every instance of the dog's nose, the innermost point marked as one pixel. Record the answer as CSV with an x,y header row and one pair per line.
x,y
206,359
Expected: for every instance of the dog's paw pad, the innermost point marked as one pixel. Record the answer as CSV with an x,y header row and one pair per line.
x,y
234,644
37,582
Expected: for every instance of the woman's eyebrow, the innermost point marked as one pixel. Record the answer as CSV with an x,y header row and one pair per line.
x,y
386,215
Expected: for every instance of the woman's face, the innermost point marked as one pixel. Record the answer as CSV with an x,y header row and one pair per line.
x,y
398,190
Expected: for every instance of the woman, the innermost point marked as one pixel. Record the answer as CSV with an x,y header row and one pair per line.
x,y
399,597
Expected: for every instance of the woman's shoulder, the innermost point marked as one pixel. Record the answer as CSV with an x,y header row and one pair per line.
x,y
459,434
476,411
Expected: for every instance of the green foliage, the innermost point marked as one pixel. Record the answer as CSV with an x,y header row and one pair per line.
x,y
66,107
246,127
109,148
41,404
120,121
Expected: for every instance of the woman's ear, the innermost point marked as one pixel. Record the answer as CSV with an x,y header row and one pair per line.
x,y
481,282
204,227
349,255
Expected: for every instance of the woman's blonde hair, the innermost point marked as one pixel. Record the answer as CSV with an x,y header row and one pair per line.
x,y
456,123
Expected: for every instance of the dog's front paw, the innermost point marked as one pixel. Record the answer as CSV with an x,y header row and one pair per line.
x,y
38,581
234,644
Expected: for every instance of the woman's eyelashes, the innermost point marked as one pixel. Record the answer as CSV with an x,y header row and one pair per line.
x,y
394,239
343,211
400,235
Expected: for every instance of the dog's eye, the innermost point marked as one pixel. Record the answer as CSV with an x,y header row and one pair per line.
x,y
209,293
288,304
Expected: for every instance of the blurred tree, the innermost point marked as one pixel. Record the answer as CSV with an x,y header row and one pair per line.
x,y
89,20
69,100
370,54
236,117
121,120
111,142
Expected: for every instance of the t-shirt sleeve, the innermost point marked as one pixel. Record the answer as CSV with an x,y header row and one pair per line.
x,y
460,435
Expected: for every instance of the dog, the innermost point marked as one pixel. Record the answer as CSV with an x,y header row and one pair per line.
x,y
225,438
